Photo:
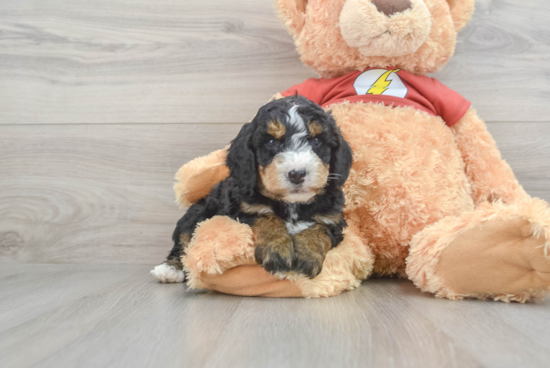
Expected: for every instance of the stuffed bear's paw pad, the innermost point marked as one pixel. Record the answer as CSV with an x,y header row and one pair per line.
x,y
510,259
166,273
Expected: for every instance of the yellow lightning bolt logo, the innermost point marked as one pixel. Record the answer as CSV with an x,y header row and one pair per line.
x,y
382,84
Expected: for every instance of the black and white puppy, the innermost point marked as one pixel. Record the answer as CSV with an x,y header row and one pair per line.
x,y
287,168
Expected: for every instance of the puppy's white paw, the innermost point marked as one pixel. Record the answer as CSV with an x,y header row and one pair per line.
x,y
166,274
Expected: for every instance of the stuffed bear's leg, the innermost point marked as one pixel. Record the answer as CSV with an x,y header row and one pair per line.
x,y
498,252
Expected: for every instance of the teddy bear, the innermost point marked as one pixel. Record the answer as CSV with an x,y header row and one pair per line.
x,y
428,197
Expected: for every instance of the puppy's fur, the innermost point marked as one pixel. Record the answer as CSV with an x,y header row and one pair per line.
x,y
287,168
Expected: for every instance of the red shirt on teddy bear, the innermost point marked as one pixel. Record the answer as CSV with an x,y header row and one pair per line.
x,y
392,87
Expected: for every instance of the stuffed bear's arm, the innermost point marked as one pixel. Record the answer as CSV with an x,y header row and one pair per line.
x,y
196,178
221,257
491,178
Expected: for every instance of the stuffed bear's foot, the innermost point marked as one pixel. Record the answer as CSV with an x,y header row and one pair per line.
x,y
498,252
166,273
499,257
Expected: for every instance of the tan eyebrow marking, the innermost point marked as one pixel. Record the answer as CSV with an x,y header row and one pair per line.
x,y
276,129
315,128
328,219
258,209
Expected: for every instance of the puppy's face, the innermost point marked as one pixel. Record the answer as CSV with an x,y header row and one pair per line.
x,y
297,150
293,154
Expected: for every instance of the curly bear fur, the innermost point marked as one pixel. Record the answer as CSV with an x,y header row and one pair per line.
x,y
425,201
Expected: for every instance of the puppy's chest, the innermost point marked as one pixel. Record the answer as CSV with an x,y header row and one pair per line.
x,y
295,221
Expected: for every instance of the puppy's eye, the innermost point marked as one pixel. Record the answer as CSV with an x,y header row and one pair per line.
x,y
272,143
315,141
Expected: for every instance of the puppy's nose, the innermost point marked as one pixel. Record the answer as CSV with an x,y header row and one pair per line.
x,y
390,7
297,176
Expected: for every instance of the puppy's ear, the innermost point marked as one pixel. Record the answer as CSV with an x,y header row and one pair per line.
x,y
341,158
241,160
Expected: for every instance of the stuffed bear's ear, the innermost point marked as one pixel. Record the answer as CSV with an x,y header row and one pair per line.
x,y
461,12
241,160
293,14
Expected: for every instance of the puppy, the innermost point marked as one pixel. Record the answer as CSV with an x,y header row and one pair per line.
x,y
287,168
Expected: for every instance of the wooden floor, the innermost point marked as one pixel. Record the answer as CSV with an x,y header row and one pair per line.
x,y
116,316
102,101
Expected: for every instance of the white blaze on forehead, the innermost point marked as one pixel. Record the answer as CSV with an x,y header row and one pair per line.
x,y
297,139
298,155
295,119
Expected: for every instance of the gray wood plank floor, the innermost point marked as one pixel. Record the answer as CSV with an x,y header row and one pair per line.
x,y
102,101
116,316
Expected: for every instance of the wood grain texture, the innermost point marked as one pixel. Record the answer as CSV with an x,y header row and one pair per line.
x,y
526,147
121,318
150,61
102,101
95,193
103,194
502,60
160,60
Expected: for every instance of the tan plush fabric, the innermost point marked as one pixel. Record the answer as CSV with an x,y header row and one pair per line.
x,y
497,251
373,33
503,247
407,174
196,178
218,244
320,42
251,281
461,12
435,204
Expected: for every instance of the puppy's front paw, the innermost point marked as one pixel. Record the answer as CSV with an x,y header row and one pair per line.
x,y
276,256
307,262
311,246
